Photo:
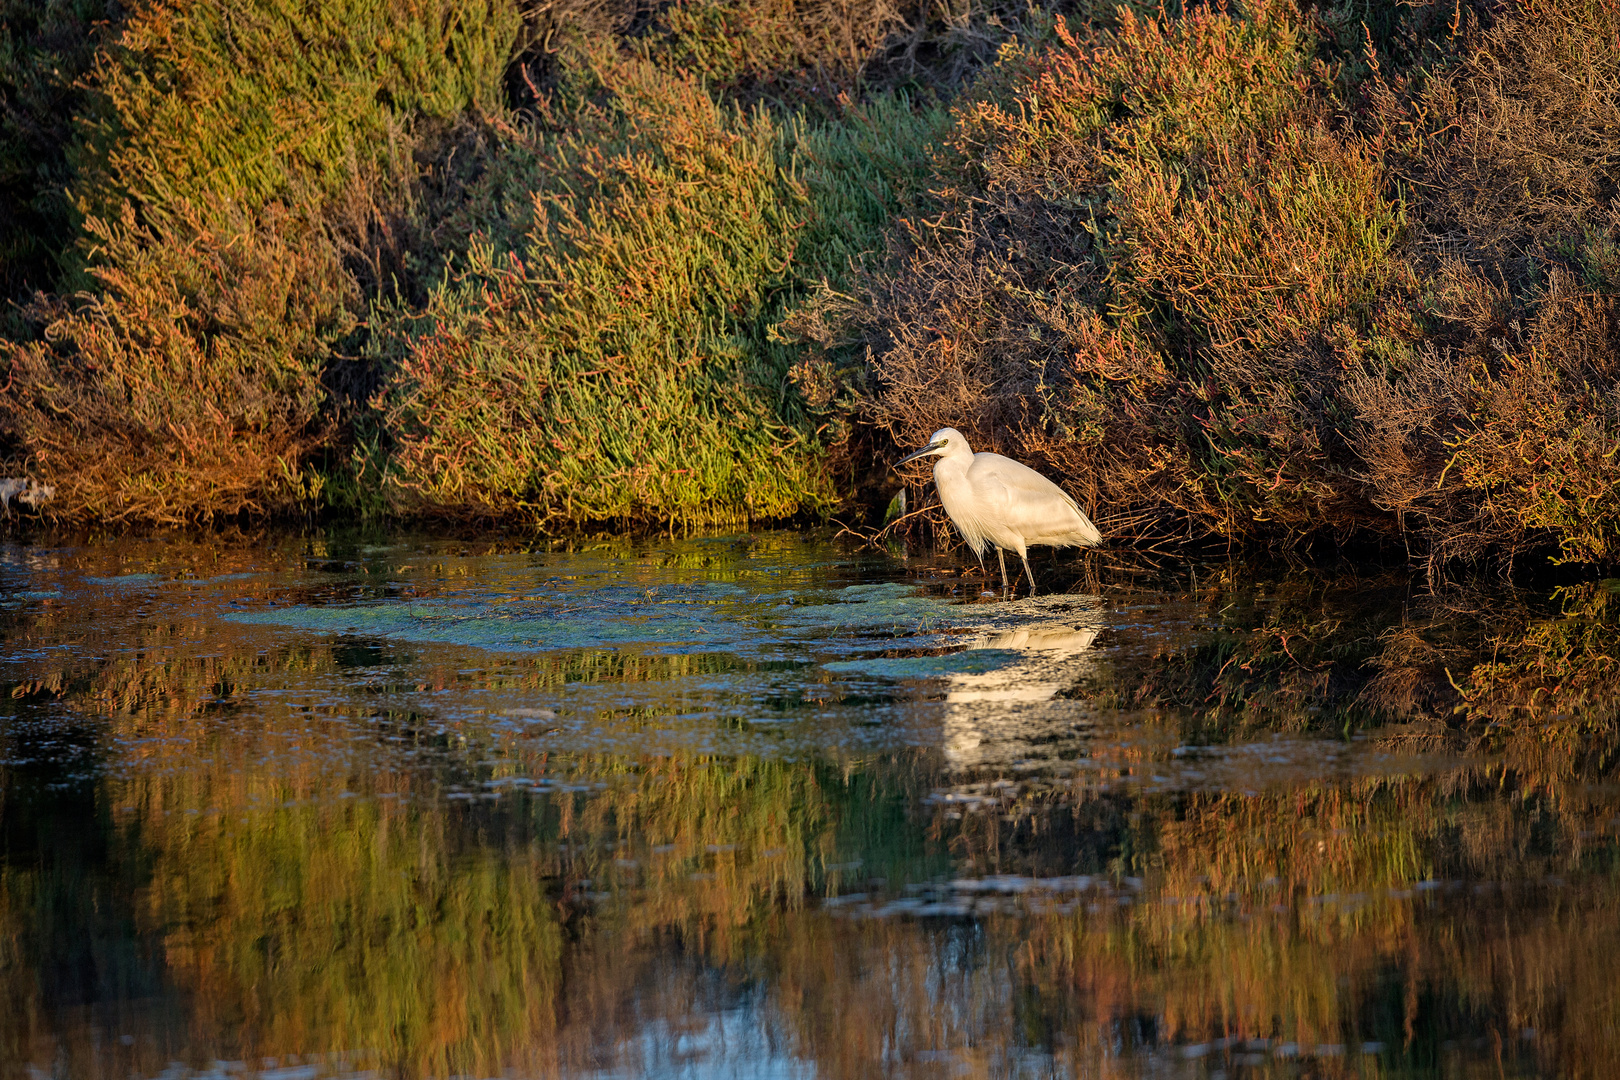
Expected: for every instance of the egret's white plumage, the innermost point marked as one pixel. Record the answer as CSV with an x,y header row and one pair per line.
x,y
994,500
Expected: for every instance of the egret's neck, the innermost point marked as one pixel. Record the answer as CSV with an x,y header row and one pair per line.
x,y
951,467
954,462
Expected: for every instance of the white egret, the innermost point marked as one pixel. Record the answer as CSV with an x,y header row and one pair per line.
x,y
995,500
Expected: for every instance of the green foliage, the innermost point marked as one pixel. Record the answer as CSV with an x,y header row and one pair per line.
x,y
810,54
1076,108
857,174
599,348
604,368
1264,243
614,361
1276,275
1097,187
253,101
223,150
1241,263
730,43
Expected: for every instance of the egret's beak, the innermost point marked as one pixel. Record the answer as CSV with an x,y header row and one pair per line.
x,y
924,452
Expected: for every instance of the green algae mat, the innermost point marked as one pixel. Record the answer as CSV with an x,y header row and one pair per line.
x,y
769,805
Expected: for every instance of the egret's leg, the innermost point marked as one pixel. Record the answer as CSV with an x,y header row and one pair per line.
x,y
1002,555
1028,572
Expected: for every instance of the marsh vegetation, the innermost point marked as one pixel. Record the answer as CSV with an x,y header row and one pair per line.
x,y
1275,274
1280,279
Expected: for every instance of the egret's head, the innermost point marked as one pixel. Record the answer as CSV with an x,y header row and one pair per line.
x,y
942,442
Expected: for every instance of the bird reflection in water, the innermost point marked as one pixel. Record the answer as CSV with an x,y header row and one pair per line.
x,y
1004,715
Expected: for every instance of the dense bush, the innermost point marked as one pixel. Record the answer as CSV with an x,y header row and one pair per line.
x,y
1493,422
567,312
1178,266
188,384
1088,173
1272,274
220,153
602,352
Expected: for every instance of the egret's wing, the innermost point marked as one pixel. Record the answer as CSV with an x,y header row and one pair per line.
x,y
1029,503
1020,480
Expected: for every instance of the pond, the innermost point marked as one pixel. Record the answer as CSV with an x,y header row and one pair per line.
x,y
775,805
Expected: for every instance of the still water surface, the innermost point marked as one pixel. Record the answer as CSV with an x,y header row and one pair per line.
x,y
764,806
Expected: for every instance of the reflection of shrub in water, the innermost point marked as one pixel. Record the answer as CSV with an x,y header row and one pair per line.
x,y
1560,673
1306,653
1293,913
705,845
1284,654
361,924
1289,915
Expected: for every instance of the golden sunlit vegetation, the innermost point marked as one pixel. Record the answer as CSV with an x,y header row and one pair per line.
x,y
1266,272
1226,282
